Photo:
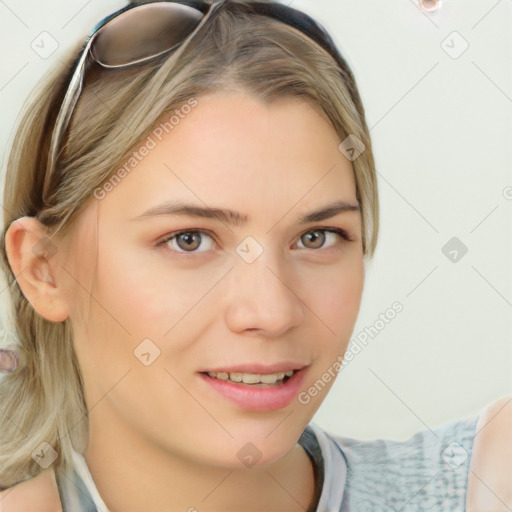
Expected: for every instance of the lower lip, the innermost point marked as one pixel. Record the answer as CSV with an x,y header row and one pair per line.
x,y
258,398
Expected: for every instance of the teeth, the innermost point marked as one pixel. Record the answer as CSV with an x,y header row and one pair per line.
x,y
252,378
249,378
270,379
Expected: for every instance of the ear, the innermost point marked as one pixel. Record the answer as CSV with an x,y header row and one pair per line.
x,y
34,260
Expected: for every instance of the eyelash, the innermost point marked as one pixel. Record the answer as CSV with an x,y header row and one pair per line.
x,y
342,233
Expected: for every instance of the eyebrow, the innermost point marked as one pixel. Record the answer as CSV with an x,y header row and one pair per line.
x,y
238,219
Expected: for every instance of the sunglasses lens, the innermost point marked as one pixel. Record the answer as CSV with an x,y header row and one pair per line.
x,y
144,32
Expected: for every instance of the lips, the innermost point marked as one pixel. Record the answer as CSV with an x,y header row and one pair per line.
x,y
256,397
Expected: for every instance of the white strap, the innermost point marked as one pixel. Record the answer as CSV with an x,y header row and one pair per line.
x,y
83,472
335,472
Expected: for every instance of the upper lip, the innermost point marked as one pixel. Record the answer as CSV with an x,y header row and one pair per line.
x,y
258,368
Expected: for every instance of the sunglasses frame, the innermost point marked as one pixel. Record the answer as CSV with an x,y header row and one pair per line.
x,y
288,15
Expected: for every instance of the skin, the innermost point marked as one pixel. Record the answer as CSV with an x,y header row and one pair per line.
x,y
490,471
160,438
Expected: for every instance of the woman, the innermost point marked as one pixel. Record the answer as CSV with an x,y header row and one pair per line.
x,y
188,214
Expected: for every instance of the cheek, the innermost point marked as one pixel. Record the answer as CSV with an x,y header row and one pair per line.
x,y
153,296
336,297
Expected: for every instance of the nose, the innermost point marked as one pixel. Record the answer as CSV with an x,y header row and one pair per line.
x,y
263,297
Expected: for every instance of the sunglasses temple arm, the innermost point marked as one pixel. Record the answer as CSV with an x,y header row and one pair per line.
x,y
65,113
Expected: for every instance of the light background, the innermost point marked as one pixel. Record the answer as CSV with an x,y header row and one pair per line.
x,y
442,135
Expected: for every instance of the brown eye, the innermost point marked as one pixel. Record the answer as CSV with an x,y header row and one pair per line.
x,y
315,238
187,241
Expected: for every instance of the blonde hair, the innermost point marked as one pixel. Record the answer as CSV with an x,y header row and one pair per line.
x,y
235,50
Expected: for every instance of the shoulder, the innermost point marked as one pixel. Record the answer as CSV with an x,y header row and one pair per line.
x,y
38,494
490,471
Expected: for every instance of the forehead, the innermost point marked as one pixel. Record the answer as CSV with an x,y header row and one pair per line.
x,y
232,149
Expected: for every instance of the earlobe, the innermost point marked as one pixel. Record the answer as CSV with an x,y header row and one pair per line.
x,y
33,257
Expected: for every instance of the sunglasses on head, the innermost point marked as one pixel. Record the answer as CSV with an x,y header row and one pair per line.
x,y
142,32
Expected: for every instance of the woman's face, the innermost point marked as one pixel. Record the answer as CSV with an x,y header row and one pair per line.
x,y
270,291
